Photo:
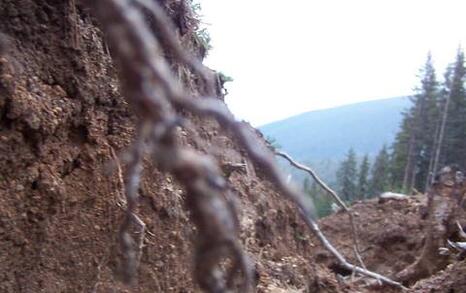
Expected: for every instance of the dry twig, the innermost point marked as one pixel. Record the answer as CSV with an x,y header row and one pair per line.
x,y
150,86
121,201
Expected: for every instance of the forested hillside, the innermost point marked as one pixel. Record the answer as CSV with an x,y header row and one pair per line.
x,y
324,134
394,144
322,138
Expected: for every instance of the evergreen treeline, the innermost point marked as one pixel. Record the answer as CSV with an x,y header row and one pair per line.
x,y
358,181
432,134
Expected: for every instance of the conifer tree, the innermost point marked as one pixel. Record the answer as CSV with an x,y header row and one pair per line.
x,y
399,153
346,177
306,184
414,145
363,174
322,203
453,144
380,177
440,130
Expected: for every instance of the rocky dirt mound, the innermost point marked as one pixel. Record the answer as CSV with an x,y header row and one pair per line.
x,y
391,234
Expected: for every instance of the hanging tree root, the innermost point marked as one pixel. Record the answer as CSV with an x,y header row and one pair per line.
x,y
131,250
334,195
155,93
149,85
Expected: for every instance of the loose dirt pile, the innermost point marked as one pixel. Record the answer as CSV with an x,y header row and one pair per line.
x,y
63,125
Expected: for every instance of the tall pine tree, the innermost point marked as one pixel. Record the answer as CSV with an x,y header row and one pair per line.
x,y
363,184
399,157
380,177
453,145
414,145
346,177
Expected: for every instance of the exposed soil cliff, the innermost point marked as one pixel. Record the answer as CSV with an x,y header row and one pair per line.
x,y
62,122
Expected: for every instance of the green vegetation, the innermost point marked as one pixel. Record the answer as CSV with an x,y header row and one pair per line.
x,y
414,145
322,202
380,175
272,141
396,144
203,37
225,78
363,178
321,138
346,177
433,131
432,134
201,33
364,182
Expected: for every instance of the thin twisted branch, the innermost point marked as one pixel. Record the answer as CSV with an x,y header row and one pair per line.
x,y
334,195
131,252
266,161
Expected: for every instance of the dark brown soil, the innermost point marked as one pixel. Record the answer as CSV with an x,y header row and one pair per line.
x,y
61,120
391,234
450,280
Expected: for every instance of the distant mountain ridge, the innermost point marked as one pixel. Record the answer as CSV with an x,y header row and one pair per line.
x,y
323,137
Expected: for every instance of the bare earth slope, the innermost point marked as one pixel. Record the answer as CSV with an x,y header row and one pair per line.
x,y
61,120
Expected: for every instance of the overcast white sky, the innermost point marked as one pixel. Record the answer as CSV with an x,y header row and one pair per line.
x,y
289,57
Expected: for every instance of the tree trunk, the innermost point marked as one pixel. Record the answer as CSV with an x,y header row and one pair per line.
x,y
409,164
443,206
430,170
441,134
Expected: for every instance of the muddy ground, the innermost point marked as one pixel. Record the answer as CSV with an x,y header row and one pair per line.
x,y
62,125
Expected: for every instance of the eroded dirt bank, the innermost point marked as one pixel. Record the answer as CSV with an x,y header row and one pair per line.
x,y
62,120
